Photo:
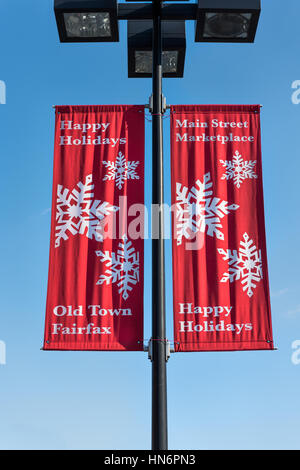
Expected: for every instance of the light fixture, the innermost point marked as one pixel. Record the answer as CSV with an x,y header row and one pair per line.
x,y
227,20
139,35
87,20
132,1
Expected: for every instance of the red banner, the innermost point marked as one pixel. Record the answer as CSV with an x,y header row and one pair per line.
x,y
220,275
95,284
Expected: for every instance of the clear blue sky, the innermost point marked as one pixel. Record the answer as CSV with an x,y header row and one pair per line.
x,y
87,400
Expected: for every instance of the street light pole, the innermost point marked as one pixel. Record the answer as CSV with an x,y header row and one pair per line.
x,y
159,372
216,21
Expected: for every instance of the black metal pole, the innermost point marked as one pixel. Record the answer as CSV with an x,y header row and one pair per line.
x,y
159,373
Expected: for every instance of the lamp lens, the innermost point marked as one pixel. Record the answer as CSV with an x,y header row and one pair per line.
x,y
84,25
227,25
143,61
170,61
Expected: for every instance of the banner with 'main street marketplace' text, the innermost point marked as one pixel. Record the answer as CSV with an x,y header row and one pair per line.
x,y
220,274
95,284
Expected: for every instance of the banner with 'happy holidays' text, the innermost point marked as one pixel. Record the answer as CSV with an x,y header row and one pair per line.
x,y
95,283
220,274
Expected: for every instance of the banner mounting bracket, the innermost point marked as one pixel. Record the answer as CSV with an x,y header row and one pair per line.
x,y
149,348
164,106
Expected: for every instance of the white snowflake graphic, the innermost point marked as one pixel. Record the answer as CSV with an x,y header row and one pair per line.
x,y
77,212
244,265
123,267
198,211
121,170
238,169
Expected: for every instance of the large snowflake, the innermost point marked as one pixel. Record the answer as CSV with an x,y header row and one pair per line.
x,y
198,211
122,267
121,170
78,212
238,169
244,265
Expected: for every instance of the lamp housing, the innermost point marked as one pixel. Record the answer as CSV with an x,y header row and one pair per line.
x,y
227,20
87,20
139,34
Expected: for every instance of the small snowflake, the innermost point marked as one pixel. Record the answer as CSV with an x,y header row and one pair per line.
x,y
197,210
77,212
244,265
238,169
121,170
123,267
